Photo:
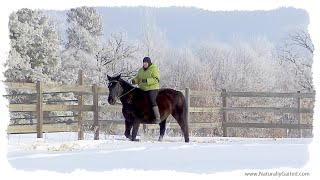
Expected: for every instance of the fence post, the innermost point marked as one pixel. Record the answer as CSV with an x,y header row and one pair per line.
x,y
299,114
224,113
187,96
80,103
39,110
95,112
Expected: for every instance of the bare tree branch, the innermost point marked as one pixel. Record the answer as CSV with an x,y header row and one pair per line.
x,y
115,57
295,61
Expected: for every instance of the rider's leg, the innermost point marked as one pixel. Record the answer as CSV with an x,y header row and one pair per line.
x,y
152,96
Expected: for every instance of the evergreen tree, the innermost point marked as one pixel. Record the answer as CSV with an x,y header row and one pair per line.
x,y
34,53
85,27
35,44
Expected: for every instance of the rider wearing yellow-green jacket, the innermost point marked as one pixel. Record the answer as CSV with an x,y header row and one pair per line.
x,y
148,78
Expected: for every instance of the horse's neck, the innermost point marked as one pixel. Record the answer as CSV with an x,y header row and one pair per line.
x,y
127,90
126,87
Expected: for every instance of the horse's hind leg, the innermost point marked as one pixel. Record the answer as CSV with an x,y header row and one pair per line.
x,y
128,126
185,130
162,129
183,124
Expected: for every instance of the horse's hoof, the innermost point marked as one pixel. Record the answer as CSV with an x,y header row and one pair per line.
x,y
137,140
160,138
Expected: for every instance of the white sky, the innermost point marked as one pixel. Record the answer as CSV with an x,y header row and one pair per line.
x,y
12,5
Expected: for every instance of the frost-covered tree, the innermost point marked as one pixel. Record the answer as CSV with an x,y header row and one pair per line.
x,y
240,66
34,54
153,42
88,18
117,56
216,57
184,70
295,55
35,48
85,27
252,66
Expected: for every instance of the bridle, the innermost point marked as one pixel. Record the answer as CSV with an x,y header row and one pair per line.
x,y
123,94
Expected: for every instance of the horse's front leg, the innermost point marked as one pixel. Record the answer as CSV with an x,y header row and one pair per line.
x,y
135,128
128,126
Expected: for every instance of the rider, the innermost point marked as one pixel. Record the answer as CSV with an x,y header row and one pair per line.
x,y
148,78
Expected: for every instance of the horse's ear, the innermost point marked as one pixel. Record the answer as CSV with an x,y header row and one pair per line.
x,y
118,77
108,77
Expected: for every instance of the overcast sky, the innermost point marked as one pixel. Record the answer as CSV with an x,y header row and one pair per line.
x,y
183,26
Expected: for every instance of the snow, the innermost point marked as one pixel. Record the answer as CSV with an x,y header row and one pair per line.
x,y
62,152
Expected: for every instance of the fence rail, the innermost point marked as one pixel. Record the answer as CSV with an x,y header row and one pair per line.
x,y
39,107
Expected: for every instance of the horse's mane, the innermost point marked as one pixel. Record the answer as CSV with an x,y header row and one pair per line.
x,y
126,84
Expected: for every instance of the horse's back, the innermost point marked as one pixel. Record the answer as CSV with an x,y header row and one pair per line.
x,y
170,92
175,96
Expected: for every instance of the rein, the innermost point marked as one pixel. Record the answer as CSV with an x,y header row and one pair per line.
x,y
124,93
127,92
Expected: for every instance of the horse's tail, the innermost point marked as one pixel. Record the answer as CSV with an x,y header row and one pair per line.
x,y
185,118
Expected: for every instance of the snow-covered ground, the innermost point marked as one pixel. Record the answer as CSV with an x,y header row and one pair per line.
x,y
63,153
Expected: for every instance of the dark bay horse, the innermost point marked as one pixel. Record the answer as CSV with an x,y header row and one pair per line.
x,y
137,110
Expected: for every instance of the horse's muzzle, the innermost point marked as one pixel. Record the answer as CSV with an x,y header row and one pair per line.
x,y
111,101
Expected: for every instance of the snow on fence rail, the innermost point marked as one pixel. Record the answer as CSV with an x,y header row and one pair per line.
x,y
39,107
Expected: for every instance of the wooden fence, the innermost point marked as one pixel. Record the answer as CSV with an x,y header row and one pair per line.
x,y
80,89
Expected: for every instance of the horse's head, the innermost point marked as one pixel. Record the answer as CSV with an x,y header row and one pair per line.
x,y
115,89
